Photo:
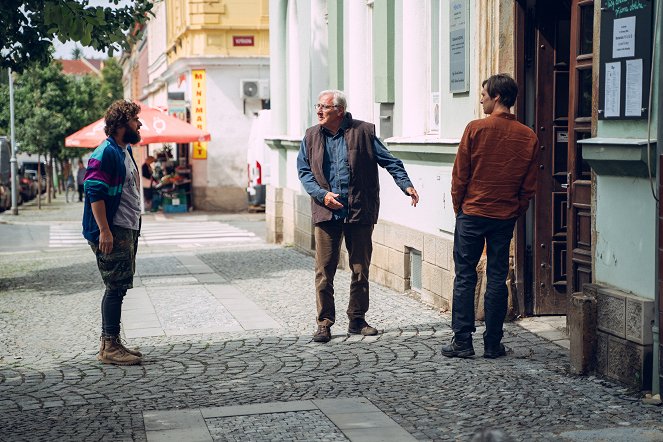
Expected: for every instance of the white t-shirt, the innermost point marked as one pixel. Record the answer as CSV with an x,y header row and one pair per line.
x,y
128,213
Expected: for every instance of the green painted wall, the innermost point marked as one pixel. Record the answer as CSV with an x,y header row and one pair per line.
x,y
383,50
336,66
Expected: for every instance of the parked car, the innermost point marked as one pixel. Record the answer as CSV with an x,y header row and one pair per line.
x,y
28,187
32,175
5,198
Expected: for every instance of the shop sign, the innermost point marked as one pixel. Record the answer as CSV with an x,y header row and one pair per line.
x,y
199,111
243,40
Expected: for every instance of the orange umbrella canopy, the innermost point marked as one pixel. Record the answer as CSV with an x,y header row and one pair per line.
x,y
157,127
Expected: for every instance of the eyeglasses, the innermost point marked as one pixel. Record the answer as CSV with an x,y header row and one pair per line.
x,y
323,106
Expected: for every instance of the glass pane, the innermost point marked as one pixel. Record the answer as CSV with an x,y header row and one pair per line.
x,y
586,29
583,169
561,94
584,93
561,153
562,45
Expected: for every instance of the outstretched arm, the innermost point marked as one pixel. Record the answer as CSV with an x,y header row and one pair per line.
x,y
395,168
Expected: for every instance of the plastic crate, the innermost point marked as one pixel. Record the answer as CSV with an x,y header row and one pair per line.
x,y
175,204
169,208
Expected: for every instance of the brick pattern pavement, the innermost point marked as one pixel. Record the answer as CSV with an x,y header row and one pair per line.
x,y
52,388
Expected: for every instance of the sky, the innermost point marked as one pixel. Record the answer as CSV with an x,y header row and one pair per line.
x,y
63,50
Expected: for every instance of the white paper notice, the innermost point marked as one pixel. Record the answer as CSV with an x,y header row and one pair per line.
x,y
633,104
623,37
613,77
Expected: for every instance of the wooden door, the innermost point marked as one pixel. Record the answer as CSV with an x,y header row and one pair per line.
x,y
579,240
549,244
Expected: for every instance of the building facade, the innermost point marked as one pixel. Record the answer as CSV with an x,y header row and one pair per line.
x,y
207,63
587,246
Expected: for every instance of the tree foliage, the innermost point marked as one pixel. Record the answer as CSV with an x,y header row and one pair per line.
x,y
50,105
27,28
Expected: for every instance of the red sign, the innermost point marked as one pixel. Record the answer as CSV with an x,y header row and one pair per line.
x,y
243,40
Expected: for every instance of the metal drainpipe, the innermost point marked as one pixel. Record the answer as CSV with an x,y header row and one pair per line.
x,y
656,387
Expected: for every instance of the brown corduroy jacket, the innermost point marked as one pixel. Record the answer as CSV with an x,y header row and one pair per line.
x,y
494,174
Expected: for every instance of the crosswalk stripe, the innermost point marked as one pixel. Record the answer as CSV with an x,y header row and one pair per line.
x,y
183,234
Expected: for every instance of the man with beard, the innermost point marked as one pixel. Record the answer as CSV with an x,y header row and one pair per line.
x,y
111,222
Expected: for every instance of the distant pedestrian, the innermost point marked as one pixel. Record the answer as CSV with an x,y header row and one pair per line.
x,y
111,222
148,181
80,178
337,165
70,186
493,179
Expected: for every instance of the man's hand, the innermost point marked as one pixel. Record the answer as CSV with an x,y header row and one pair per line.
x,y
330,201
413,194
105,241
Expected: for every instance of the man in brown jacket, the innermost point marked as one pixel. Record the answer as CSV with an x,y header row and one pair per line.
x,y
338,166
493,179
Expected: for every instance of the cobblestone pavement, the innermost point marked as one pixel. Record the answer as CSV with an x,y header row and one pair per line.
x,y
52,387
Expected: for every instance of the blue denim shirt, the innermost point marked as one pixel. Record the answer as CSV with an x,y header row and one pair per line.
x,y
337,170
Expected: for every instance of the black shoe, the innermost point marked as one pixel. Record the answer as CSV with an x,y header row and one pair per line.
x,y
361,327
494,351
323,334
458,349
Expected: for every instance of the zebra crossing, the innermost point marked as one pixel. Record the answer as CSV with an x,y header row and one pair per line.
x,y
190,234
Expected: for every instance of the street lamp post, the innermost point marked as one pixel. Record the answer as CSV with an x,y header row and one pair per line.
x,y
14,168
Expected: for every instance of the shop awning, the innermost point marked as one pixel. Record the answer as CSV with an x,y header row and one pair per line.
x,y
157,127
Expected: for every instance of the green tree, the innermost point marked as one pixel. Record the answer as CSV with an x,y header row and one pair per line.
x,y
111,83
28,26
76,53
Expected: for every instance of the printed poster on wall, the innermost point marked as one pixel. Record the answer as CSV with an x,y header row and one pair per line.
x,y
458,46
199,111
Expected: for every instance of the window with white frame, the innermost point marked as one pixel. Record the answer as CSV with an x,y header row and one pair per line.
x,y
434,30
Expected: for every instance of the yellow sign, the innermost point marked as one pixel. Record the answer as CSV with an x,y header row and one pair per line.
x,y
199,111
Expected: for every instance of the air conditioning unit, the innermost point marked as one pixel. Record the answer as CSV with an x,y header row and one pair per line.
x,y
258,89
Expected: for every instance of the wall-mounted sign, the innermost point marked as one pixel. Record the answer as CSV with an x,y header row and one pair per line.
x,y
243,40
459,49
625,60
199,111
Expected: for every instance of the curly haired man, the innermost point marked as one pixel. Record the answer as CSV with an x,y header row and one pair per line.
x,y
111,222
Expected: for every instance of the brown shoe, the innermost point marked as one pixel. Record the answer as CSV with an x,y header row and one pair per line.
x,y
131,351
112,352
134,351
361,327
323,334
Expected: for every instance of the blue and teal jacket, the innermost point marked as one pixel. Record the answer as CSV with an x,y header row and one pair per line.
x,y
104,179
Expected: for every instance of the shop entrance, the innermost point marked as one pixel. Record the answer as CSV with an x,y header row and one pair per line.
x,y
555,75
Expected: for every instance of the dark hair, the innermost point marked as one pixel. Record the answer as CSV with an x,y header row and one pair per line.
x,y
118,115
504,86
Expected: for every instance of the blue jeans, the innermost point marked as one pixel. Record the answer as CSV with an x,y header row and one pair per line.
x,y
470,235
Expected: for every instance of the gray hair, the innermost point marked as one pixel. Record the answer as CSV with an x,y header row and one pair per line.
x,y
338,97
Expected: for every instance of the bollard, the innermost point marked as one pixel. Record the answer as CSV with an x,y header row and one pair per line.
x,y
582,333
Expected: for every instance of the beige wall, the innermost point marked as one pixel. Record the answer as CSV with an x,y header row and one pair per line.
x,y
206,28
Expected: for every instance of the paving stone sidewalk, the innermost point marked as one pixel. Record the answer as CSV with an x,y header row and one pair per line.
x,y
52,387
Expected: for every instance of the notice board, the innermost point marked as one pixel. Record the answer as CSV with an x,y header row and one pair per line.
x,y
625,60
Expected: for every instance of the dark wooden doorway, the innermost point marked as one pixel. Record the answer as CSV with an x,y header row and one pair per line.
x,y
555,77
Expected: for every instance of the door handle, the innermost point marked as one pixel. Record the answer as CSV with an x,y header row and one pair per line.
x,y
565,186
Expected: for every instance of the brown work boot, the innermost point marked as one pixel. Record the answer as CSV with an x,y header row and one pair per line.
x,y
131,351
113,352
134,352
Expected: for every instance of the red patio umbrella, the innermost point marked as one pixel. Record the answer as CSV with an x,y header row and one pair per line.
x,y
157,127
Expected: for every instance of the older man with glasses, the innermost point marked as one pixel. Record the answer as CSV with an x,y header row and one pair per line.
x,y
337,166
